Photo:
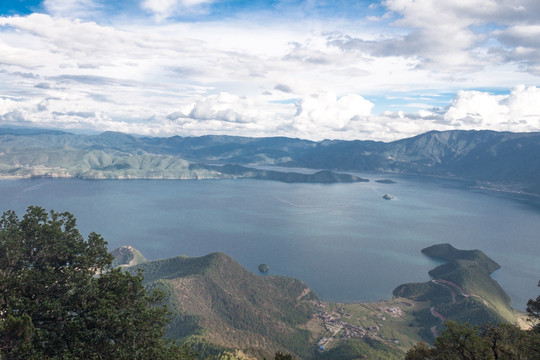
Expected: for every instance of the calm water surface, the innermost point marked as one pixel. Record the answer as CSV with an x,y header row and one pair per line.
x,y
344,240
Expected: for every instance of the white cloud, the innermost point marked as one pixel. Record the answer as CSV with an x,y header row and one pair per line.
x,y
524,107
7,105
223,107
23,58
436,32
449,35
313,117
519,111
474,109
327,111
163,9
72,8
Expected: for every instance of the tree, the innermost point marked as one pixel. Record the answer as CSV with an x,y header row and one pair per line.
x,y
420,351
533,309
487,342
467,342
60,298
281,356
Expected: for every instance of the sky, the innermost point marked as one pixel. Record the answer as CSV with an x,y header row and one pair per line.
x,y
368,70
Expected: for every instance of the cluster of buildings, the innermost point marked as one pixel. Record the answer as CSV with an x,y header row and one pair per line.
x,y
334,323
337,328
393,311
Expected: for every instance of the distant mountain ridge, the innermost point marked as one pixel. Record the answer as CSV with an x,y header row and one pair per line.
x,y
498,159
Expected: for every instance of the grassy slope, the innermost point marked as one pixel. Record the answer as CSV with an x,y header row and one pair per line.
x,y
471,277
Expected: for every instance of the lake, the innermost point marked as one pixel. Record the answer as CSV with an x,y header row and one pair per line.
x,y
343,240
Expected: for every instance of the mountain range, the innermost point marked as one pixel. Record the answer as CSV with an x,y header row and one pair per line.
x,y
500,160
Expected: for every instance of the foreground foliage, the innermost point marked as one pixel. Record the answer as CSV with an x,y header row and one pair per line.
x,y
60,298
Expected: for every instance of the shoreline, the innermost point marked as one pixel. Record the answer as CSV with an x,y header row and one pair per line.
x,y
496,188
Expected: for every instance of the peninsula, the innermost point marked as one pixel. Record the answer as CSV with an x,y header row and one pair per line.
x,y
460,290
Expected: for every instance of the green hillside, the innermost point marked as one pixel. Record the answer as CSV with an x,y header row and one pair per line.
x,y
217,302
461,290
219,306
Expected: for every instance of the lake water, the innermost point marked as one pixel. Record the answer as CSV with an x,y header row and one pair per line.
x,y
344,240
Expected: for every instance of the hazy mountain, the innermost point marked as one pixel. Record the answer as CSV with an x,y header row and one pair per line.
x,y
25,153
500,159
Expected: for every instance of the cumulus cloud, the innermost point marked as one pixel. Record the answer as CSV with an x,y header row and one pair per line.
x,y
324,112
225,113
7,105
524,105
222,107
517,111
474,109
17,56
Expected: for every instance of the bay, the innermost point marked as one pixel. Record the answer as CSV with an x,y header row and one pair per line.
x,y
343,240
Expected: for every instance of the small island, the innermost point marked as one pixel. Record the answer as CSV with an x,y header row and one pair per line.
x,y
264,268
385,181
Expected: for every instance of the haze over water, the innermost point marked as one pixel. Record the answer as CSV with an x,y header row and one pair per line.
x,y
343,240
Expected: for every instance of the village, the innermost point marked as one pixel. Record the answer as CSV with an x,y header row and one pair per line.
x,y
338,328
